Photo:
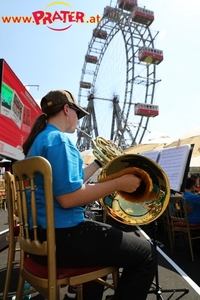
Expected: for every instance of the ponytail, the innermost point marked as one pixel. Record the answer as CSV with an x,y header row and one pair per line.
x,y
40,122
38,126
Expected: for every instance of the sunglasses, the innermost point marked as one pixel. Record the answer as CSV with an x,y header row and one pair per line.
x,y
75,108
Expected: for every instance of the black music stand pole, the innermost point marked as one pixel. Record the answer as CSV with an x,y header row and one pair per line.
x,y
156,289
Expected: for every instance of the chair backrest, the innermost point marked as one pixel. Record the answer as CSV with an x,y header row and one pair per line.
x,y
2,184
26,174
11,202
178,209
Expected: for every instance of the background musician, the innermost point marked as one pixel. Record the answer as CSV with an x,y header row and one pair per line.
x,y
192,201
197,185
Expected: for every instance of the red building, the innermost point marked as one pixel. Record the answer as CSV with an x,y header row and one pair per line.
x,y
18,111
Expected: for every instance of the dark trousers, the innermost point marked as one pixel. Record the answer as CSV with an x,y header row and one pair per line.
x,y
97,244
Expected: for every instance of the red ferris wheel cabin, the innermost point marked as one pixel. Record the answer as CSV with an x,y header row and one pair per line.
x,y
91,59
150,55
142,15
146,110
101,34
127,4
85,85
112,13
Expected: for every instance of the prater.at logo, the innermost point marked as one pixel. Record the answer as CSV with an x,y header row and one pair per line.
x,y
57,19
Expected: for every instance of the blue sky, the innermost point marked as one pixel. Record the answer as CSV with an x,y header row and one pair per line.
x,y
53,60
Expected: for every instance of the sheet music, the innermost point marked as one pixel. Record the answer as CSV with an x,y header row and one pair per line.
x,y
154,155
173,161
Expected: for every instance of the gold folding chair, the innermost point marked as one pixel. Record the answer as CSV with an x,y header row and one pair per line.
x,y
2,194
47,280
13,234
180,224
167,224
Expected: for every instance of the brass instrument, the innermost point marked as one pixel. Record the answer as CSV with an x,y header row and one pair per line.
x,y
105,150
132,211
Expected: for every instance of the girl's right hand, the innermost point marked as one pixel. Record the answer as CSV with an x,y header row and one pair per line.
x,y
128,183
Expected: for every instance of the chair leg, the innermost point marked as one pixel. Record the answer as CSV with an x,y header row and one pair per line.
x,y
79,292
172,237
115,276
167,232
11,257
191,248
58,293
20,287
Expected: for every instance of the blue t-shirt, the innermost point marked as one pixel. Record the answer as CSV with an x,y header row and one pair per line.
x,y
193,207
68,174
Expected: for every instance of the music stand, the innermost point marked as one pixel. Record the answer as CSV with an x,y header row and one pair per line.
x,y
157,289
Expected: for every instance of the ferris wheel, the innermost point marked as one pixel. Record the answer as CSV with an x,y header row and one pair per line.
x,y
118,74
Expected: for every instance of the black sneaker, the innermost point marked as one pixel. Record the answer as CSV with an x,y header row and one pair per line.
x,y
70,292
109,297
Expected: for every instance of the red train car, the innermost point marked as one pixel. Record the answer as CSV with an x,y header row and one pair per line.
x,y
91,59
146,110
127,4
150,55
101,34
142,15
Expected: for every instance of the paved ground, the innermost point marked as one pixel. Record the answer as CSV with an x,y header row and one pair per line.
x,y
175,271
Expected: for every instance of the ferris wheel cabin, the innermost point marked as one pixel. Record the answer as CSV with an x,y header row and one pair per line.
x,y
112,13
146,110
150,55
91,59
142,15
85,85
101,34
127,4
